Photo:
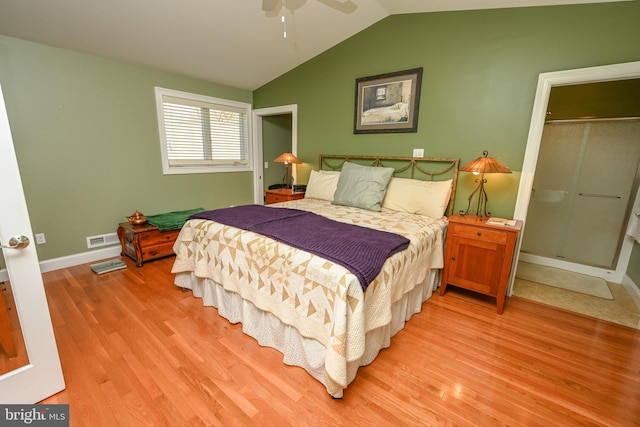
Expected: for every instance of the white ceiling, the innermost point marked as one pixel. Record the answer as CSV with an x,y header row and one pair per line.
x,y
232,42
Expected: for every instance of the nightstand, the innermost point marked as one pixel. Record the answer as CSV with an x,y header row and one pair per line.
x,y
478,256
281,195
145,242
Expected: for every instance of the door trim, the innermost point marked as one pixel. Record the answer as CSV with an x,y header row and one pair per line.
x,y
257,115
546,81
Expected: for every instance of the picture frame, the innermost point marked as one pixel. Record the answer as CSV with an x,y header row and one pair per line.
x,y
388,102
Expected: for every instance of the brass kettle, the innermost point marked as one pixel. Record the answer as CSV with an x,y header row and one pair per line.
x,y
137,218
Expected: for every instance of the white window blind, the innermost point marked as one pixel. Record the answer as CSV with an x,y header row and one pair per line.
x,y
202,134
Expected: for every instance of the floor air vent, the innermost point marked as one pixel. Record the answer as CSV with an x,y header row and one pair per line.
x,y
102,240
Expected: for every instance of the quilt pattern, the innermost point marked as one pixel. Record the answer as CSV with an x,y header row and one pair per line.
x,y
321,299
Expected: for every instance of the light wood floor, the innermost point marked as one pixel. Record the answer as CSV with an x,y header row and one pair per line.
x,y
11,360
135,350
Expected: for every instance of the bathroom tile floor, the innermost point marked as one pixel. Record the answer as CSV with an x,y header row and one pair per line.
x,y
622,309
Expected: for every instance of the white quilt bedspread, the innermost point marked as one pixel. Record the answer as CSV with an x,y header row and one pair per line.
x,y
322,300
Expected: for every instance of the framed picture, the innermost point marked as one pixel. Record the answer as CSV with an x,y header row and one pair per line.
x,y
388,102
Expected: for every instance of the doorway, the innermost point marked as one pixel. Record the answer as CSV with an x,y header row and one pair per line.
x,y
547,82
291,114
276,140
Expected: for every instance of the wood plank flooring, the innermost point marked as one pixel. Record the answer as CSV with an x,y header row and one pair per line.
x,y
135,350
11,360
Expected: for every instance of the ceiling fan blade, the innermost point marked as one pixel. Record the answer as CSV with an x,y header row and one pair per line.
x,y
344,6
269,5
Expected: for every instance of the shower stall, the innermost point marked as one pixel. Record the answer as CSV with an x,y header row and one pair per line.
x,y
585,184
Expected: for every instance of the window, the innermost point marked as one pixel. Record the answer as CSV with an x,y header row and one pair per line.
x,y
201,134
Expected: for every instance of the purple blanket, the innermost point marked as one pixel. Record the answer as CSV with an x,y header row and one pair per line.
x,y
360,250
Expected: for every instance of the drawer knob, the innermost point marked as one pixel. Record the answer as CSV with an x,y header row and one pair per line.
x,y
479,233
453,258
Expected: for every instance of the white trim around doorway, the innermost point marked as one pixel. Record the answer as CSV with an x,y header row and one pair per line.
x,y
546,81
257,115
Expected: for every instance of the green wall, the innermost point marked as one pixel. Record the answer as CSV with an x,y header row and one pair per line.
x,y
86,138
480,76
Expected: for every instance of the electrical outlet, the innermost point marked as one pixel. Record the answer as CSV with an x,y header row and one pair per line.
x,y
418,152
40,238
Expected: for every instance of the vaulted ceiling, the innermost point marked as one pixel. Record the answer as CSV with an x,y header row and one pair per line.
x,y
231,42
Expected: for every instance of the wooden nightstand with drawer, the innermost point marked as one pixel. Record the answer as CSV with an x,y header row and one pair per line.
x,y
478,256
145,242
281,195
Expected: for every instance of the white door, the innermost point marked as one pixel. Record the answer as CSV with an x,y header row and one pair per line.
x,y
42,376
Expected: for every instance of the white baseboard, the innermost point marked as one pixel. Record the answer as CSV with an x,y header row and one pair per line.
x,y
71,260
614,276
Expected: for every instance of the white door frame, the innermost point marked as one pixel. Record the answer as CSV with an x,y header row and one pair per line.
x,y
42,376
257,115
546,81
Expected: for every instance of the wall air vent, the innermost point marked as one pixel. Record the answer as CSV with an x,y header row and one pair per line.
x,y
102,240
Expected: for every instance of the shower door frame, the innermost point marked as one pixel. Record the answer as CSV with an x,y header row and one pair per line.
x,y
572,190
546,81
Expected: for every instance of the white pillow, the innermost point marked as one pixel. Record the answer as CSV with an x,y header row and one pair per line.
x,y
429,198
322,185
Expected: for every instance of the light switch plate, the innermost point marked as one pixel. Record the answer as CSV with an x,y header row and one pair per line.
x,y
418,152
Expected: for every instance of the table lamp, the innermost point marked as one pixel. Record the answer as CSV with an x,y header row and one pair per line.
x,y
288,159
480,166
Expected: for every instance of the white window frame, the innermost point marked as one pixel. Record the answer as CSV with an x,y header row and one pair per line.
x,y
195,99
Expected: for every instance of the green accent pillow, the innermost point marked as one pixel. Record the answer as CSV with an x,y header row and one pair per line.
x,y
362,186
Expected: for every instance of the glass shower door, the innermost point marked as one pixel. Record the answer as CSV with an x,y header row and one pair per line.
x,y
584,185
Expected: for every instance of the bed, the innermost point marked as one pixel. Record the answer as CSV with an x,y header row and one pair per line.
x,y
321,313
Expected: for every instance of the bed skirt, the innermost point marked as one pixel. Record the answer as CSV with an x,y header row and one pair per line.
x,y
297,350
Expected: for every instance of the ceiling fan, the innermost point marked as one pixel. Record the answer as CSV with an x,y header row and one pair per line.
x,y
273,7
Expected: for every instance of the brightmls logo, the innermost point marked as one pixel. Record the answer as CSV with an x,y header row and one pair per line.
x,y
34,415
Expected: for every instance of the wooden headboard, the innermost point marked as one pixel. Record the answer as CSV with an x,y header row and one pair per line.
x,y
423,168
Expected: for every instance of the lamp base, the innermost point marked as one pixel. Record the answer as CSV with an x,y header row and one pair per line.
x,y
481,209
286,178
